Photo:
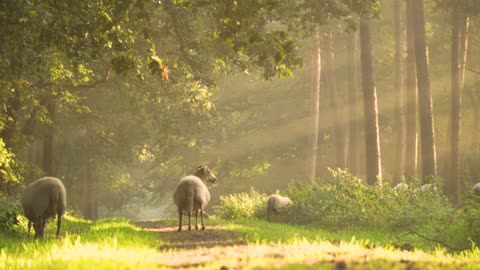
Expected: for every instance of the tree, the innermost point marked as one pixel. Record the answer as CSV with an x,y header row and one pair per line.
x,y
352,105
399,93
316,68
372,134
411,141
427,133
459,53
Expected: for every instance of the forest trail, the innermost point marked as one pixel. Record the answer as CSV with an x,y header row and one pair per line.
x,y
220,248
216,245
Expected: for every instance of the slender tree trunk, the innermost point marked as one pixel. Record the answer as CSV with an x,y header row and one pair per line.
x,y
372,134
48,161
316,60
411,154
352,106
427,132
459,50
339,124
400,133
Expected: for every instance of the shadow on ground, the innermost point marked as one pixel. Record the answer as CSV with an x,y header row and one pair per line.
x,y
213,236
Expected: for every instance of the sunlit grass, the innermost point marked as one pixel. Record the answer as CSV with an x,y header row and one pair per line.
x,y
119,244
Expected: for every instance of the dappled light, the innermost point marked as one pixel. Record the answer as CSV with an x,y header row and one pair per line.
x,y
227,134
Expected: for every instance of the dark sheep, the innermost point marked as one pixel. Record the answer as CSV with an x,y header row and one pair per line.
x,y
43,199
192,194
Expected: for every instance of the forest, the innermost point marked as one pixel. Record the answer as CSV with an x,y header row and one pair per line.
x,y
364,113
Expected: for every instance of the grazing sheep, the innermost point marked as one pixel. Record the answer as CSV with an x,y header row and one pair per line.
x,y
43,199
426,188
192,194
275,203
401,187
476,189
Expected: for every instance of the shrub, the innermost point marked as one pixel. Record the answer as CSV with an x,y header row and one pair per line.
x,y
9,209
243,205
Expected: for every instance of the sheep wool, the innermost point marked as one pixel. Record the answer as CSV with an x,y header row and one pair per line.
x,y
275,203
43,199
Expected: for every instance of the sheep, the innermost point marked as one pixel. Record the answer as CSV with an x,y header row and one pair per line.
x,y
43,199
192,194
401,187
275,203
476,189
426,188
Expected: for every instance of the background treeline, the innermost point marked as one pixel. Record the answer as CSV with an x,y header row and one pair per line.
x,y
121,98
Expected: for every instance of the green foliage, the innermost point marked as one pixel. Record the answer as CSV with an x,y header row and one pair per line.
x,y
9,209
344,202
244,205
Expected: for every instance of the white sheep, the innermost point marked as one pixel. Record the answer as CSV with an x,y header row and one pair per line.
x,y
192,194
275,203
426,188
476,189
42,199
401,187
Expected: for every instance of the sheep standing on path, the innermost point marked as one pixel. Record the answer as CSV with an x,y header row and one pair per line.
x,y
43,199
192,194
275,203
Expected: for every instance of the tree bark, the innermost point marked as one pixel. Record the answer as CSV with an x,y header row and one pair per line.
x,y
411,154
372,134
352,106
316,60
400,132
338,123
427,132
459,50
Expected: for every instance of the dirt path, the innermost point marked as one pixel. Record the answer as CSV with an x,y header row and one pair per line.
x,y
220,248
224,248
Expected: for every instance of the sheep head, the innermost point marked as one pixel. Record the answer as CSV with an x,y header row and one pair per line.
x,y
204,173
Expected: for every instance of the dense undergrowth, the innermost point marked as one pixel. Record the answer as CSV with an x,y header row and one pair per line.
x,y
412,218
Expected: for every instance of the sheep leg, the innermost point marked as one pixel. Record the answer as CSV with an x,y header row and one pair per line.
x,y
59,224
189,220
29,226
42,228
196,219
203,224
180,214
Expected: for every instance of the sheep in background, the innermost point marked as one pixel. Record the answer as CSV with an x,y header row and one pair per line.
x,y
401,187
426,188
42,199
275,203
476,189
192,194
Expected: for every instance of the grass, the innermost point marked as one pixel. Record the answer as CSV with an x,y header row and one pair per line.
x,y
119,244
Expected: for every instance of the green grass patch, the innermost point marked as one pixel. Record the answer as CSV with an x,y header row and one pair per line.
x,y
105,244
119,244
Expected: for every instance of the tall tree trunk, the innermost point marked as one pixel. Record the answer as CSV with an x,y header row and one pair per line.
x,y
352,106
427,132
372,134
459,50
48,154
316,60
338,123
400,132
411,154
